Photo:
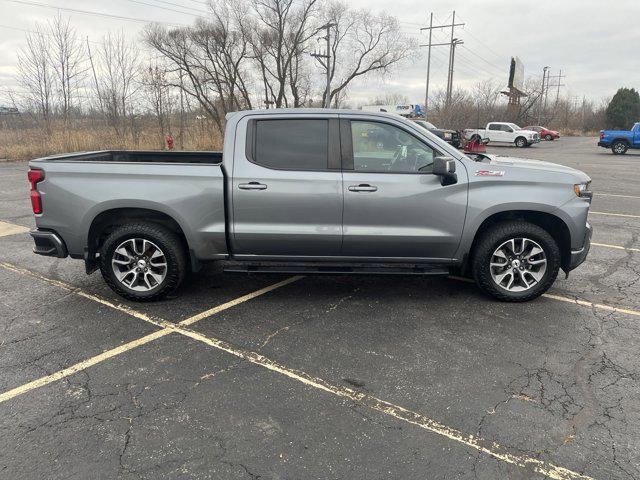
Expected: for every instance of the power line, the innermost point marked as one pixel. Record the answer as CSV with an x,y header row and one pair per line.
x,y
483,59
452,46
167,8
479,40
206,12
35,32
91,12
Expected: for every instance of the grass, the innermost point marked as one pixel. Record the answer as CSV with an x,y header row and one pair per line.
x,y
27,143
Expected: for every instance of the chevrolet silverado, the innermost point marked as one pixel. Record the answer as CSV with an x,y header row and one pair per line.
x,y
318,191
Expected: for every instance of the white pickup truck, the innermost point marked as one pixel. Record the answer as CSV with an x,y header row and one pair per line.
x,y
504,132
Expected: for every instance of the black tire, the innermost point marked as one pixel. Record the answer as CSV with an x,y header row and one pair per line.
x,y
496,236
548,137
619,147
170,244
521,142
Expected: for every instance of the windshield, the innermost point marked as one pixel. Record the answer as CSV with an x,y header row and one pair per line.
x,y
514,126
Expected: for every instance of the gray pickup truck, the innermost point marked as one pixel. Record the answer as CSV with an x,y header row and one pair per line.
x,y
319,191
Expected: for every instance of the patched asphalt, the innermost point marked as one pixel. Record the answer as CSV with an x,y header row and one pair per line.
x,y
548,380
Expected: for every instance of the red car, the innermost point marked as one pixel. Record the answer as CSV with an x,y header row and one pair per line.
x,y
544,133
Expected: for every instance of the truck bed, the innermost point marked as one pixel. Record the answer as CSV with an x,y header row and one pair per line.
x,y
81,188
144,156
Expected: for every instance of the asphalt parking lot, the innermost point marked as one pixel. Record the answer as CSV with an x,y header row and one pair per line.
x,y
323,377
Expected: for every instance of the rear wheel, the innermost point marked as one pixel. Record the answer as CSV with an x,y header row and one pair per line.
x,y
521,142
516,261
143,261
619,147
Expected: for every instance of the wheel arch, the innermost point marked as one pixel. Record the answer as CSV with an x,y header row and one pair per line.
x,y
621,139
107,220
553,224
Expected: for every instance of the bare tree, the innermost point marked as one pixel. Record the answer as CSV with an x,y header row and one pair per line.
x,y
212,57
390,99
159,96
67,56
364,43
119,66
280,46
37,77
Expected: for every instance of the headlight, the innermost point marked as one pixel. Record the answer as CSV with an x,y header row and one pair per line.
x,y
583,190
447,135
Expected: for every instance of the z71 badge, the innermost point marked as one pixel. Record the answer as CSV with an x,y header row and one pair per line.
x,y
489,173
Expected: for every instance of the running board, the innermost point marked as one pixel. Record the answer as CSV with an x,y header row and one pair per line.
x,y
335,270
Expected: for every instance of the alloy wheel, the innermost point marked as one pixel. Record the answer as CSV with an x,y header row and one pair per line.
x,y
139,264
518,264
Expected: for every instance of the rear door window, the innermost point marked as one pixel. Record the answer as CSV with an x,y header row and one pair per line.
x,y
292,144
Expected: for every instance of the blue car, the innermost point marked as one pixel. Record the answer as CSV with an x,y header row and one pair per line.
x,y
619,141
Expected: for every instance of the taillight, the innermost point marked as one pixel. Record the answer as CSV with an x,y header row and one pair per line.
x,y
601,135
35,176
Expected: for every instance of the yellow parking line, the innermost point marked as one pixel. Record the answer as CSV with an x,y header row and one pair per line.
x,y
615,195
490,448
70,288
576,301
599,306
237,301
166,327
485,446
59,375
7,228
618,247
609,214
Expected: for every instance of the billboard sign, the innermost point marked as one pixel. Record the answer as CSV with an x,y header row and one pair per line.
x,y
516,74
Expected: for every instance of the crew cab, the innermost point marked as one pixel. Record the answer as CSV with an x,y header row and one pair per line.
x,y
544,132
313,190
504,132
452,137
619,141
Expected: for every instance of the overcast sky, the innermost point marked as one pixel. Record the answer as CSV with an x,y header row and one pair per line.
x,y
595,44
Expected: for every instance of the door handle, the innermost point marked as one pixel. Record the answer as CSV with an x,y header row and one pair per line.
x,y
252,186
363,187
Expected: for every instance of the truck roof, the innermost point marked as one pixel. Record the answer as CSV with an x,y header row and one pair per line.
x,y
308,111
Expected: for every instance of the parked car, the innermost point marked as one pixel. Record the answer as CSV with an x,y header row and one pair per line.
x,y
317,190
544,133
452,137
404,110
619,141
504,132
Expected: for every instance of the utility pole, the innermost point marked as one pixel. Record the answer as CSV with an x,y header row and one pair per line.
x,y
432,27
544,77
325,61
546,92
426,93
451,50
95,77
181,135
560,84
454,43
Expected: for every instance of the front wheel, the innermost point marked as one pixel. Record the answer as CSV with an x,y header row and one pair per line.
x,y
548,137
619,147
516,261
521,142
143,261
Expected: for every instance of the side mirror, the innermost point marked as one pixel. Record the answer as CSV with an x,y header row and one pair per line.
x,y
445,167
